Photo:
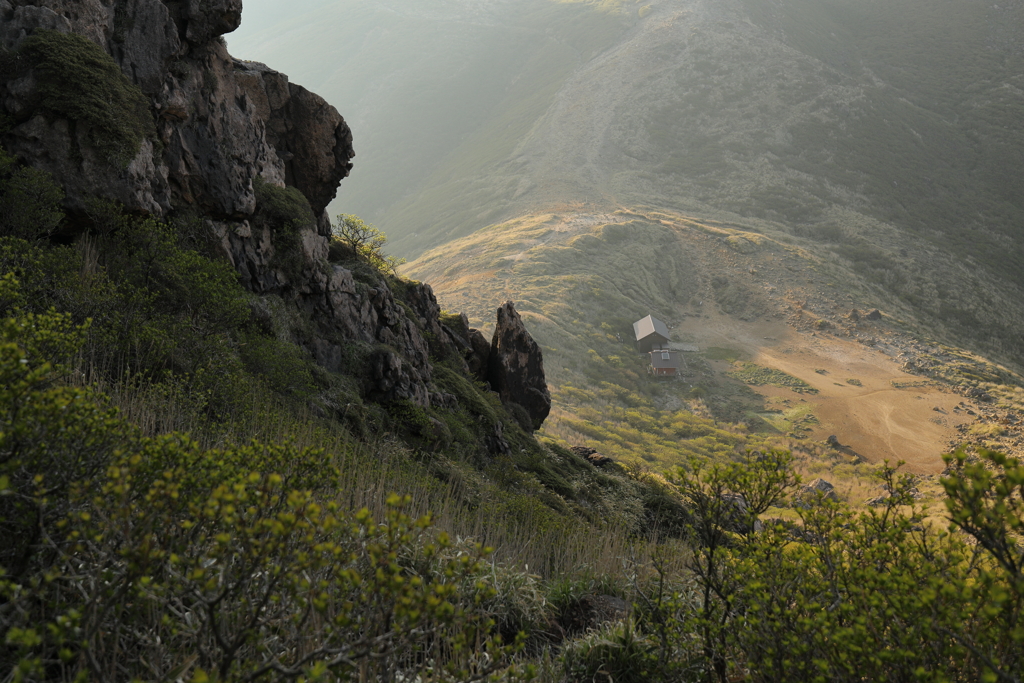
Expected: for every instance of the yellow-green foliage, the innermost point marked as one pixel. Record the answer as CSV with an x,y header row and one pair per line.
x,y
363,241
79,81
159,558
987,429
841,596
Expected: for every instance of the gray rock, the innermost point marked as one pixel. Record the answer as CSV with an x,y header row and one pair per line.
x,y
591,455
218,129
515,368
814,493
495,440
219,123
479,354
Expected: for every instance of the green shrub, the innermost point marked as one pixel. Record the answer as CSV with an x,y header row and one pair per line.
x,y
29,201
615,653
287,211
51,436
286,368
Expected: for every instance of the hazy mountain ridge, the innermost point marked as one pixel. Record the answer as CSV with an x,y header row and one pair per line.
x,y
879,134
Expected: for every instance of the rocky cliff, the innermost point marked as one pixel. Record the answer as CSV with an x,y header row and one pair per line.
x,y
138,102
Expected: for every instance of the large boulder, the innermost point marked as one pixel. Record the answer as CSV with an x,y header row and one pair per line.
x,y
515,366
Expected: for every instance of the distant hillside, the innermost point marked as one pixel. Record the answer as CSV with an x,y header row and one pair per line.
x,y
878,133
777,344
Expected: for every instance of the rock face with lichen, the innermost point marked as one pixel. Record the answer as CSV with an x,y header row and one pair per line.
x,y
212,124
139,102
515,367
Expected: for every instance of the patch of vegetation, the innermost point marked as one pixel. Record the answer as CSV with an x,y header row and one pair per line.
x,y
29,201
354,238
792,421
288,213
758,375
79,81
721,353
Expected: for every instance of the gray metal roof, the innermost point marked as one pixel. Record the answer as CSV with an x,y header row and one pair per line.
x,y
645,327
665,359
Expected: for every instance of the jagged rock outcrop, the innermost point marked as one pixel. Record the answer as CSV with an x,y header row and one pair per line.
x,y
515,367
591,455
298,123
138,101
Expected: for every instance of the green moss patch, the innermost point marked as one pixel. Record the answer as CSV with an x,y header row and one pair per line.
x,y
286,210
758,375
79,81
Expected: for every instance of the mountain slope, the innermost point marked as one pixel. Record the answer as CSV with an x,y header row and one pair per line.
x,y
880,132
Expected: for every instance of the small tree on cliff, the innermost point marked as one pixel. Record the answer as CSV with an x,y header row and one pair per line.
x,y
365,241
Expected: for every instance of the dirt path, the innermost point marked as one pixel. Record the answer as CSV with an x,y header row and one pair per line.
x,y
873,419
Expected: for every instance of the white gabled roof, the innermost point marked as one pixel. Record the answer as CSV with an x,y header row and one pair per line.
x,y
645,327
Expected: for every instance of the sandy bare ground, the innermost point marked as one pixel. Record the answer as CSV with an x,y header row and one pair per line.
x,y
875,421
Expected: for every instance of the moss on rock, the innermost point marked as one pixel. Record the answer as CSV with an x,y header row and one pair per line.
x,y
77,80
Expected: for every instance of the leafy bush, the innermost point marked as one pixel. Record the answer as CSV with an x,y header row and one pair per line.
x,y
842,596
758,375
287,211
616,653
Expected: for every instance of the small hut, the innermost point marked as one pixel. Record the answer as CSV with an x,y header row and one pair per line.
x,y
650,333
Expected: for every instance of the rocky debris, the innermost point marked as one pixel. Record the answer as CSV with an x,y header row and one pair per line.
x,y
884,499
833,441
591,455
978,394
391,379
515,367
814,493
736,516
873,315
444,401
854,315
